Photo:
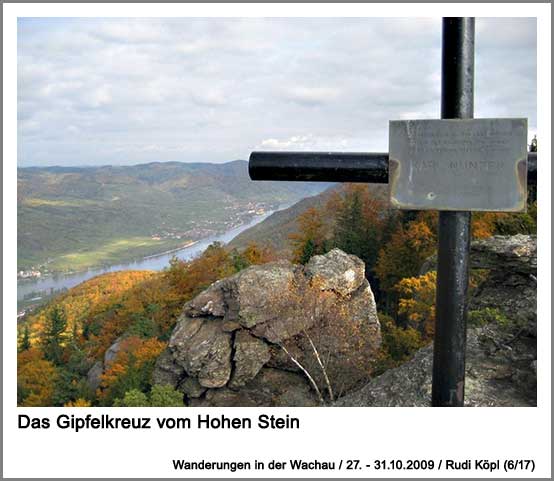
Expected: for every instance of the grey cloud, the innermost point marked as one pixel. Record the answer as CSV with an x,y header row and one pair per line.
x,y
311,96
100,91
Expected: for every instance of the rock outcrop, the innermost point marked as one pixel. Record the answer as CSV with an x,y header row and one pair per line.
x,y
511,283
94,375
252,339
501,360
497,374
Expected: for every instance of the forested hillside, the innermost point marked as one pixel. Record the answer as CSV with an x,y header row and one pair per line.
x,y
135,310
122,321
75,218
277,229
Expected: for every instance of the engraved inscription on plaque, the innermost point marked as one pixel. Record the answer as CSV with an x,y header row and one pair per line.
x,y
477,164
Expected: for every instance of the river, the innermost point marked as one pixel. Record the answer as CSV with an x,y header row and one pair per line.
x,y
153,263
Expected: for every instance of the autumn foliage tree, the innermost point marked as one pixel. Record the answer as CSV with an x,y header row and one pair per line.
x,y
36,378
191,278
410,245
417,302
159,396
359,228
399,343
74,330
310,239
131,368
25,339
252,255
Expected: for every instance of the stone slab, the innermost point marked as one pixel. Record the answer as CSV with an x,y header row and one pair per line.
x,y
474,164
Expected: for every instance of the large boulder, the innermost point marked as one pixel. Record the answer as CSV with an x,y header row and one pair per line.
x,y
257,337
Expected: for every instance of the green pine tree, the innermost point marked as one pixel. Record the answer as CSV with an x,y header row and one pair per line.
x,y
54,334
308,250
349,229
25,341
356,234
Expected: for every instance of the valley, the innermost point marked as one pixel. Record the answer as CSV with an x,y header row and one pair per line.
x,y
76,219
35,291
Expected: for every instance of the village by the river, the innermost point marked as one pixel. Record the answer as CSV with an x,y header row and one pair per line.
x,y
31,292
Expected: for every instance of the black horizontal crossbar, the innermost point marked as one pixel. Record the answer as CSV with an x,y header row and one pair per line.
x,y
371,168
320,166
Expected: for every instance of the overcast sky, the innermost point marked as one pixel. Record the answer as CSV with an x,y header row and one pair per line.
x,y
127,91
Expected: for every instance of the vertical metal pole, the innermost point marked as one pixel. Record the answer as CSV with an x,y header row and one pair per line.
x,y
458,41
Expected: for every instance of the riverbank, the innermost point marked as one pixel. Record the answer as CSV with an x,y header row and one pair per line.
x,y
171,251
121,251
58,282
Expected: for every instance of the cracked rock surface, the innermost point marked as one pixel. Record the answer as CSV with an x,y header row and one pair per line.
x,y
250,339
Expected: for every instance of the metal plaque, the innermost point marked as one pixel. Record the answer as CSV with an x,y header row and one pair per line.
x,y
477,164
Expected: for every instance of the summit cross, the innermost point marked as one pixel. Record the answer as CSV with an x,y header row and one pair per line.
x,y
454,165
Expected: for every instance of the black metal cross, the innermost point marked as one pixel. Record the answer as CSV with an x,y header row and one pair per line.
x,y
458,40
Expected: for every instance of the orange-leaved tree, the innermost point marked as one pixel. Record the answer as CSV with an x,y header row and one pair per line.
x,y
131,368
408,248
310,239
417,302
36,379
